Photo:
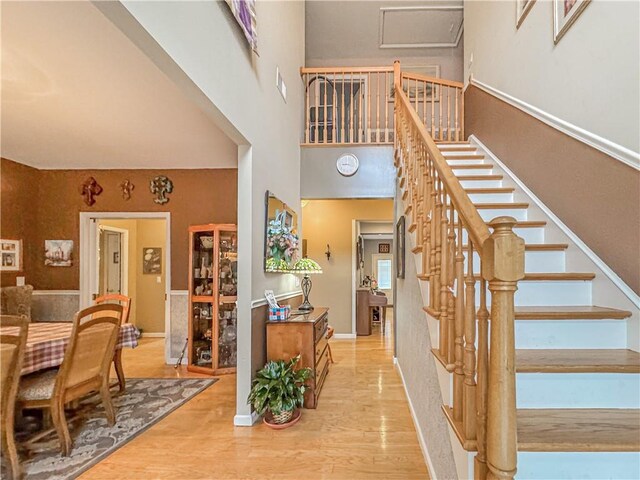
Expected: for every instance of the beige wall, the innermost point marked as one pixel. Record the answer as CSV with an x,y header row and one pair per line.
x,y
589,79
147,312
330,222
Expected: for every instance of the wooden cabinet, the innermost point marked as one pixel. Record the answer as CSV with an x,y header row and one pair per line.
x,y
305,335
213,283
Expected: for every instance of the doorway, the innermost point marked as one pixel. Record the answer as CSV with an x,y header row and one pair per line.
x,y
129,253
382,271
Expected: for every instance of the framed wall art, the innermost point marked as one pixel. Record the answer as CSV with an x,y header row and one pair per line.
x,y
565,13
151,261
10,255
522,10
58,253
244,12
419,90
400,239
384,248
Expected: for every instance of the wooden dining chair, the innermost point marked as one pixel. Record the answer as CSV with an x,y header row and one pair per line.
x,y
116,298
12,348
84,369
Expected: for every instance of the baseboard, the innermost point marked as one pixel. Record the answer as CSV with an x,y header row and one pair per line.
x,y
174,360
246,420
344,336
623,154
153,335
414,417
613,276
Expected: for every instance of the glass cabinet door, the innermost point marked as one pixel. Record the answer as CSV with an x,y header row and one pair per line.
x,y
228,265
202,264
227,330
202,331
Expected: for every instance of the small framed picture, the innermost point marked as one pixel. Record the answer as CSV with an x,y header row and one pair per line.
x,y
10,255
565,12
151,261
58,253
522,9
384,248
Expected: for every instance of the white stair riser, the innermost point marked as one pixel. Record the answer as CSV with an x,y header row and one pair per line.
x,y
536,261
489,214
481,183
530,235
491,197
465,161
571,334
455,153
549,292
577,390
475,171
578,465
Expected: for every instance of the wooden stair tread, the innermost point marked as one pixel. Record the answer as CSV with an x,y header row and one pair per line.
x,y
577,312
417,249
490,190
568,430
555,276
577,361
463,178
579,430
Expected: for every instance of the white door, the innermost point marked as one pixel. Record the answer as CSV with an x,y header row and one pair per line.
x,y
382,266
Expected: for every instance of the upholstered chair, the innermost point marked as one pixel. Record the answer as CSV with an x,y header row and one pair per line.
x,y
16,301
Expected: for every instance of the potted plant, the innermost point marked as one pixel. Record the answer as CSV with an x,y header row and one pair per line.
x,y
278,390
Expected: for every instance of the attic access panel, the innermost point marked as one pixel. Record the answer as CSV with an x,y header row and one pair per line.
x,y
420,27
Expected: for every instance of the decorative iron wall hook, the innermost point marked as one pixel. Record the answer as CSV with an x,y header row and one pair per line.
x,y
89,190
328,252
127,187
161,186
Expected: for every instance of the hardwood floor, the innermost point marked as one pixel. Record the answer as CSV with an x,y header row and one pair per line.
x,y
362,428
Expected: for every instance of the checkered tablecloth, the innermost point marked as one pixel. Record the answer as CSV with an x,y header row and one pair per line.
x,y
47,341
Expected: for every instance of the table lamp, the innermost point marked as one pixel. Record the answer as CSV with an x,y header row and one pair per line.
x,y
306,267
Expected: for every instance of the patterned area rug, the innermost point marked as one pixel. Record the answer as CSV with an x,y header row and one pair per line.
x,y
144,403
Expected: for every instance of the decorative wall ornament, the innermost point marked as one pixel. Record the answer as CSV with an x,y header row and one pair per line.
x,y
58,253
127,187
161,186
89,190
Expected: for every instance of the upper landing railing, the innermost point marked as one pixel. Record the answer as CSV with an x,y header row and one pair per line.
x,y
355,105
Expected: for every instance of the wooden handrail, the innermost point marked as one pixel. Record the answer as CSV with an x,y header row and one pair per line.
x,y
342,70
426,78
475,225
441,212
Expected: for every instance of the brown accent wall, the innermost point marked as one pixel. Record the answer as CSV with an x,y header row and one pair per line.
x,y
47,206
595,195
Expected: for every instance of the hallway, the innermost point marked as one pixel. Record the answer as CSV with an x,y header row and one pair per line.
x,y
362,428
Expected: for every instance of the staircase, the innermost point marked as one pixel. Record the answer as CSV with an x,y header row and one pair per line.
x,y
577,383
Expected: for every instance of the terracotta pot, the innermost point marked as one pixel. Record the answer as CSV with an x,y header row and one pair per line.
x,y
290,418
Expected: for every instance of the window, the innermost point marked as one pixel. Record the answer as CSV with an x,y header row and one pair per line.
x,y
384,274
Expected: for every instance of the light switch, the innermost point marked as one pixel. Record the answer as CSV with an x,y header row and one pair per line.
x,y
19,281
158,279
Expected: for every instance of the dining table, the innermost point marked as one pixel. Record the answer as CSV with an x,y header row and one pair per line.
x,y
47,342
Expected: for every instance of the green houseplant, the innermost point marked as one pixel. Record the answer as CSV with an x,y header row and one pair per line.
x,y
279,389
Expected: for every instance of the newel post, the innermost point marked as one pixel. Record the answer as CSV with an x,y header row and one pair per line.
x,y
502,267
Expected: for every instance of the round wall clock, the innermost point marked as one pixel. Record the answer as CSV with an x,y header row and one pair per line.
x,y
347,164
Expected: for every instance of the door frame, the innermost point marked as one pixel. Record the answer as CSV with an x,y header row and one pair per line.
x,y
87,237
124,256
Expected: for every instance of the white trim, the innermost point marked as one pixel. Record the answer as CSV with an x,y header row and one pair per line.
x,y
613,276
414,417
355,231
344,336
614,150
282,296
85,259
180,292
56,292
246,420
153,335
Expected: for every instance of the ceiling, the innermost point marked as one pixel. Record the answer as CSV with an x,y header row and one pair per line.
x,y
381,29
76,93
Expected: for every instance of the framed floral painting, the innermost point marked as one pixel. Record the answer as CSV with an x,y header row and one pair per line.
x,y
565,12
522,10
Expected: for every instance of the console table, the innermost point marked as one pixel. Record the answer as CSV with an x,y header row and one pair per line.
x,y
305,335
